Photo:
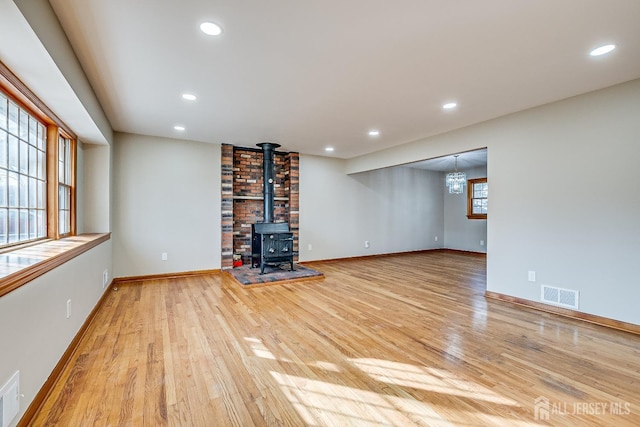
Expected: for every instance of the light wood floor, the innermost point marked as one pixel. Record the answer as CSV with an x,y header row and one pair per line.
x,y
392,341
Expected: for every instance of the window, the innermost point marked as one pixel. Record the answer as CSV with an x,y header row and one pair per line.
x,y
64,186
36,176
477,194
22,175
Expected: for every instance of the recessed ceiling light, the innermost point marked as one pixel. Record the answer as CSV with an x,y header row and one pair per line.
x,y
178,127
211,29
189,96
449,106
374,133
329,149
602,50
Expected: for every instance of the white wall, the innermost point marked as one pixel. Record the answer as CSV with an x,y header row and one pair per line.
x,y
35,331
583,235
95,179
395,209
166,199
460,232
44,23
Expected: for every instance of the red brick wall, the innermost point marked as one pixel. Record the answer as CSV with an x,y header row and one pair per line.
x,y
227,205
245,199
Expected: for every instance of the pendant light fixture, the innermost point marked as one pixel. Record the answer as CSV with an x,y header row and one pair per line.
x,y
456,180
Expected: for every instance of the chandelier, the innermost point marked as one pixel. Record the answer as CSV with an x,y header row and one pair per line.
x,y
456,180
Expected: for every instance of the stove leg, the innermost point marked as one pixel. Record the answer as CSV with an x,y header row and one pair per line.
x,y
292,266
262,268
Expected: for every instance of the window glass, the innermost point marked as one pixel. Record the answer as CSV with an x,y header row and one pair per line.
x,y
22,174
478,193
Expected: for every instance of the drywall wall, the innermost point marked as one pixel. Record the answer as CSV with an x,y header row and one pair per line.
x,y
166,200
395,210
572,214
86,118
95,178
460,232
36,332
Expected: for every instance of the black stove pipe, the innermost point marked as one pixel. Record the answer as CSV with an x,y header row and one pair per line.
x,y
268,174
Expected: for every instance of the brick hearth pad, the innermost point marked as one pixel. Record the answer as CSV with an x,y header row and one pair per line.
x,y
247,276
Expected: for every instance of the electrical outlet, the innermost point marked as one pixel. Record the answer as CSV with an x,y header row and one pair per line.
x,y
105,278
481,242
68,308
436,239
366,244
531,276
310,247
164,256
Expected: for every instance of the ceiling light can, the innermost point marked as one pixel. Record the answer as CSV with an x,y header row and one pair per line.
x,y
602,50
211,29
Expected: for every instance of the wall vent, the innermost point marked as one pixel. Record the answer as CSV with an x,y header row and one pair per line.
x,y
561,297
10,400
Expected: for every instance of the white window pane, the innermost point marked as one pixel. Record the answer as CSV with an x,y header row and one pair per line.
x,y
61,172
33,192
3,189
13,225
42,164
42,229
13,153
3,112
42,137
33,131
24,191
3,227
41,195
24,157
33,161
13,118
13,189
64,222
24,224
4,147
24,125
33,224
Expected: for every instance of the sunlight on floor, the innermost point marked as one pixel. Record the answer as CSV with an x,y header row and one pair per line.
x,y
396,394
429,379
322,403
259,349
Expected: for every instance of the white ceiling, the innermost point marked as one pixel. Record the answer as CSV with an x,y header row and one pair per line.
x,y
308,74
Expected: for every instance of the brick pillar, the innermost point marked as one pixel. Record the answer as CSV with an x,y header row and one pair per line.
x,y
294,200
227,206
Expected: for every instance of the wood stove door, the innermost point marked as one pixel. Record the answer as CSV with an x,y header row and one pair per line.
x,y
285,244
270,245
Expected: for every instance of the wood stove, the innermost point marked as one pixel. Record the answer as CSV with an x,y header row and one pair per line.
x,y
271,242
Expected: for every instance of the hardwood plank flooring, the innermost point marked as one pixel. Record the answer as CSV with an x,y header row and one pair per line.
x,y
391,341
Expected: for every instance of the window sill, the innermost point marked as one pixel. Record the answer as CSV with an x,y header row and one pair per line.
x,y
477,216
21,266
